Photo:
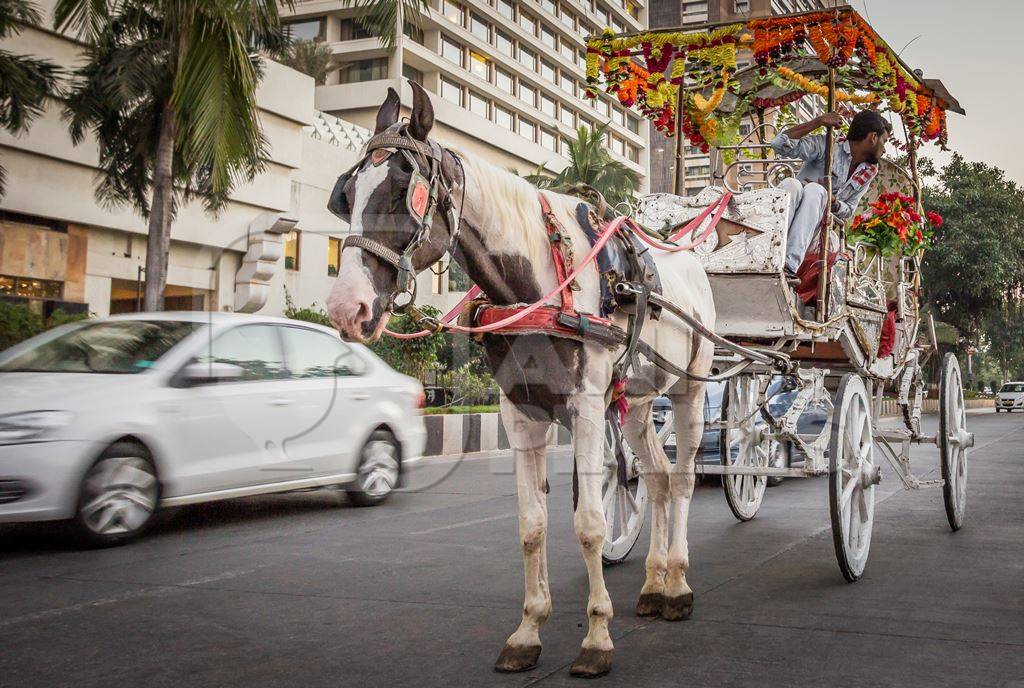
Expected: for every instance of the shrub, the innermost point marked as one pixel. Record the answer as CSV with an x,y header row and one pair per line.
x,y
18,322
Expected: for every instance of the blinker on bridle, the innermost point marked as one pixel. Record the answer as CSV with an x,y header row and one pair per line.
x,y
425,193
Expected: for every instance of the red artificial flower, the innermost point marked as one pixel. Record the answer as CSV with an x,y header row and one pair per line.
x,y
934,219
914,217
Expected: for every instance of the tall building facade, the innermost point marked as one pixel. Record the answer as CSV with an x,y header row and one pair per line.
x,y
688,13
508,75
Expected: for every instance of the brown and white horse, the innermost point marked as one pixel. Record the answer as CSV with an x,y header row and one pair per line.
x,y
503,246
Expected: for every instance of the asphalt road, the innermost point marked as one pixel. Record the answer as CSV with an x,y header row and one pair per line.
x,y
303,590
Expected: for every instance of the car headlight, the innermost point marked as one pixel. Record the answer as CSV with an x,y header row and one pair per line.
x,y
17,427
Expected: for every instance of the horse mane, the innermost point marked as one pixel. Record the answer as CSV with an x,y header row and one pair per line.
x,y
507,203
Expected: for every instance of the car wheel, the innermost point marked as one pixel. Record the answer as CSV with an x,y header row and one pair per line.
x,y
377,474
117,497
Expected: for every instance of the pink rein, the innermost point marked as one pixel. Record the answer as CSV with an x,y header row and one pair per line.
x,y
609,230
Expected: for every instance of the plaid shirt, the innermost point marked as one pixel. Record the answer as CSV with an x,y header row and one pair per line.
x,y
811,149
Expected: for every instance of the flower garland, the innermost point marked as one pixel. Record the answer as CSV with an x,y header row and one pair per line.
x,y
812,86
893,225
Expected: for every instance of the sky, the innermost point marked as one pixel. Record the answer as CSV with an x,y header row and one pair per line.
x,y
974,47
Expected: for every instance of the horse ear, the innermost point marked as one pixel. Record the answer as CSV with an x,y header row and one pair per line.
x,y
388,112
422,119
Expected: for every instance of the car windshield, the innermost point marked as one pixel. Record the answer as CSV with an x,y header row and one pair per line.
x,y
1017,387
115,346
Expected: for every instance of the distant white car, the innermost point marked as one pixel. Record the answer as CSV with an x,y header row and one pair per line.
x,y
1010,397
105,420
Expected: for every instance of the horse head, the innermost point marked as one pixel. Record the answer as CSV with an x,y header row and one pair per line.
x,y
399,204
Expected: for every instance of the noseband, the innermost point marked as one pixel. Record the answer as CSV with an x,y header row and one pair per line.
x,y
428,190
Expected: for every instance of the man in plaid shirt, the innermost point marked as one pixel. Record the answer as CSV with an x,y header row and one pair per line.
x,y
854,166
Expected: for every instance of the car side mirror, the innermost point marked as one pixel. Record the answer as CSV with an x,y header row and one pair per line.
x,y
213,371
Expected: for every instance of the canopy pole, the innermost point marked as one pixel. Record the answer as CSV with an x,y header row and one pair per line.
x,y
826,226
679,184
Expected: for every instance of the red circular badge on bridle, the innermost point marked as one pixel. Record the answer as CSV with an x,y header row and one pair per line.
x,y
419,195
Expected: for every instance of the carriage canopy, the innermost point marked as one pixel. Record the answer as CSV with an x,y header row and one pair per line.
x,y
689,82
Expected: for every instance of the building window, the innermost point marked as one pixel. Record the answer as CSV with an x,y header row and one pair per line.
x,y
619,146
453,12
503,118
503,80
291,250
411,73
569,19
547,106
363,70
527,94
451,91
451,51
478,104
741,6
568,84
351,30
480,28
633,153
547,70
568,52
528,23
568,117
633,124
333,256
603,107
503,43
633,9
30,287
619,117
479,65
304,30
506,9
414,33
527,129
549,5
528,58
547,139
547,37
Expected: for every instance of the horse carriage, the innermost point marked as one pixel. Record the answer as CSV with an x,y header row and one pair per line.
x,y
842,341
587,315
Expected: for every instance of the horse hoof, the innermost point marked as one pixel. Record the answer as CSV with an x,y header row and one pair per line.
x,y
677,608
517,658
650,604
592,663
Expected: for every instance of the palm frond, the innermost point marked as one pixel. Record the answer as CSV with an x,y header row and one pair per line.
x,y
17,13
380,17
86,18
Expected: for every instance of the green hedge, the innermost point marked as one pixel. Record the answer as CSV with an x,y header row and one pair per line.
x,y
19,322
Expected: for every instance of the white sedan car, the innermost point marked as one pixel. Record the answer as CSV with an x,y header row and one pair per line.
x,y
104,420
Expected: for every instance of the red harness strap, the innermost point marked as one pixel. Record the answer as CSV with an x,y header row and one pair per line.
x,y
557,239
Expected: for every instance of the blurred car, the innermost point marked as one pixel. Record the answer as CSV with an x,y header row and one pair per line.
x,y
1010,397
105,420
811,422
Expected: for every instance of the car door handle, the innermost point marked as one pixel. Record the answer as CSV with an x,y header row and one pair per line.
x,y
280,402
360,396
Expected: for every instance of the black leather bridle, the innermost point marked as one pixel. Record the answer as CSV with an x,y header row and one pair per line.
x,y
428,191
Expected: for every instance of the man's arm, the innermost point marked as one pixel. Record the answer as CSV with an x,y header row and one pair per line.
x,y
795,142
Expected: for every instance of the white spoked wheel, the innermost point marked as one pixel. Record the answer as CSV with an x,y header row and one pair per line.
x,y
954,441
744,443
853,475
625,505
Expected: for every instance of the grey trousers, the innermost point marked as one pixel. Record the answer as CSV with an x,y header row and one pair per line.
x,y
806,212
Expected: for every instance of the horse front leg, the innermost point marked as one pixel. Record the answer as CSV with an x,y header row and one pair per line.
x,y
528,440
688,411
595,658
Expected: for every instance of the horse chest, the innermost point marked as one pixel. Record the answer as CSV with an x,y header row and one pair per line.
x,y
537,373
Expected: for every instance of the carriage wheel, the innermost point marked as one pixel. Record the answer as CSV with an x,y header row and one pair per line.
x,y
852,477
744,443
954,441
625,506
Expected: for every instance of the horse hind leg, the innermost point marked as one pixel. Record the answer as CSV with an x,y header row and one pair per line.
x,y
528,439
642,438
688,412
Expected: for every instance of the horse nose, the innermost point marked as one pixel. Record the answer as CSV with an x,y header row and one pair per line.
x,y
349,315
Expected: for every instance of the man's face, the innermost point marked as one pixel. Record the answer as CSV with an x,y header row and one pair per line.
x,y
875,143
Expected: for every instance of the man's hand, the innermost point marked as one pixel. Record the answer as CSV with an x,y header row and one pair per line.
x,y
830,119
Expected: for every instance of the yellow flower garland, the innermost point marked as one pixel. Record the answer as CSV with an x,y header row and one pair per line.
x,y
812,86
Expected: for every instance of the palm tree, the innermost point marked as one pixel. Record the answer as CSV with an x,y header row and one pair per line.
x,y
312,58
25,82
380,17
590,163
168,89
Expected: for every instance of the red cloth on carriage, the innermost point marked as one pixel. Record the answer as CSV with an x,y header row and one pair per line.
x,y
887,342
808,272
